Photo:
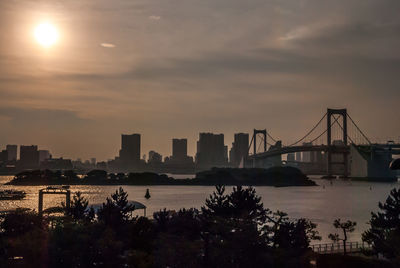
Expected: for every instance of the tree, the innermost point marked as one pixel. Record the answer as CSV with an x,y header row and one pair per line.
x,y
25,234
347,227
70,175
78,209
116,210
230,228
178,242
217,204
384,233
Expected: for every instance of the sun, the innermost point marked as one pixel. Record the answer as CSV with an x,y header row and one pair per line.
x,y
46,34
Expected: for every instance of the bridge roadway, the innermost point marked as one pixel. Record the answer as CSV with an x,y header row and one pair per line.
x,y
394,149
293,149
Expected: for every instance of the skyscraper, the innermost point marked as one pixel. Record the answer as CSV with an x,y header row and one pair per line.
x,y
12,152
239,149
130,150
29,157
210,151
179,149
43,155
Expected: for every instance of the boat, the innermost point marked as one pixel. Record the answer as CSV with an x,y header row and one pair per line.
x,y
12,195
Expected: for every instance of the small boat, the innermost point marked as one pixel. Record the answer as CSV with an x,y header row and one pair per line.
x,y
147,195
12,195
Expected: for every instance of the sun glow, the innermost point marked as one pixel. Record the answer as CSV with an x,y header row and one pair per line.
x,y
46,34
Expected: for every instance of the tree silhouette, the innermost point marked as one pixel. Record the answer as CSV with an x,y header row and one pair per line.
x,y
384,233
231,228
346,227
78,209
116,210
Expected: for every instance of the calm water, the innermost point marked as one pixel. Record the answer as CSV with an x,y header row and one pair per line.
x,y
322,204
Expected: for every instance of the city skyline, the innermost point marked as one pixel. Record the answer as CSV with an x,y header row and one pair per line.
x,y
170,69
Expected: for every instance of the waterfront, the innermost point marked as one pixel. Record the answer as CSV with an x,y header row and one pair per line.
x,y
322,204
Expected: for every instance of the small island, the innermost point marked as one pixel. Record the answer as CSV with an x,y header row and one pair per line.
x,y
275,176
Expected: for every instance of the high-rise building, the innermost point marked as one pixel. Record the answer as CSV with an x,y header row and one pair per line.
x,y
211,151
240,147
129,154
12,152
3,157
29,157
179,149
43,155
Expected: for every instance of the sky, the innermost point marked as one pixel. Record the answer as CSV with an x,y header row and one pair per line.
x,y
174,68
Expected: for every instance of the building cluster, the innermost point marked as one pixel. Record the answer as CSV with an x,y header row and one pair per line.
x,y
30,157
211,152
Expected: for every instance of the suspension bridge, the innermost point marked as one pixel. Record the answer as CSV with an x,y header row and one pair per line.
x,y
332,137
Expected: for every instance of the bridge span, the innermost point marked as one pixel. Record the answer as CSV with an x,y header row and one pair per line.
x,y
334,141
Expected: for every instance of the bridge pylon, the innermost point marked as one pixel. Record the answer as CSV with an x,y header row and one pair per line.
x,y
343,114
263,132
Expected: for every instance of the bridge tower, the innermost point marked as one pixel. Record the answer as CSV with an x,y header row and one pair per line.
x,y
343,114
263,132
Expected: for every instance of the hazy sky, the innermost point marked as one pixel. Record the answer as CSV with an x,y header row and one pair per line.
x,y
174,68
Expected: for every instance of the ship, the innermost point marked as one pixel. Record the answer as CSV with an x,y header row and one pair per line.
x,y
12,195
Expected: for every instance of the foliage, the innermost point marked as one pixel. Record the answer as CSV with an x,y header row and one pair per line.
x,y
24,235
78,209
231,230
384,232
116,210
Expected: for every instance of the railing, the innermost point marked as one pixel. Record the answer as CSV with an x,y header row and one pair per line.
x,y
331,248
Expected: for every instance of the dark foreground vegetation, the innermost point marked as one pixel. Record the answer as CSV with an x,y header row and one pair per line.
x,y
230,230
276,176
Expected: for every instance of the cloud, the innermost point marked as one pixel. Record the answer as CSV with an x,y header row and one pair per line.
x,y
154,17
107,45
226,65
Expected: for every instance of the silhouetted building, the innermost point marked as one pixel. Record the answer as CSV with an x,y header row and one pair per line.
x,y
179,149
129,155
211,151
56,164
43,155
12,152
29,157
239,149
102,165
179,162
3,157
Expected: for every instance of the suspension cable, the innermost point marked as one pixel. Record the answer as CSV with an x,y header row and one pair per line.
x,y
251,143
343,130
262,138
258,149
326,130
365,137
309,131
271,137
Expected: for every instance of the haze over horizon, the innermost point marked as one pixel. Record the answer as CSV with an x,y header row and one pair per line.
x,y
171,69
